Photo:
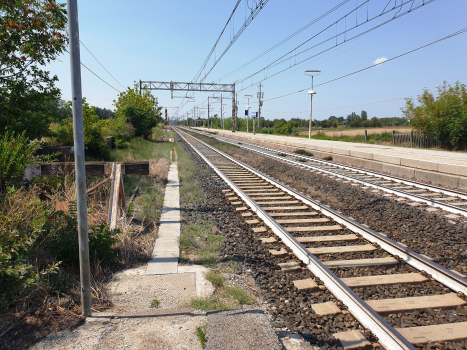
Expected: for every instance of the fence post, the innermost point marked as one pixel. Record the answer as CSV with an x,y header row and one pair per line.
x,y
393,137
366,135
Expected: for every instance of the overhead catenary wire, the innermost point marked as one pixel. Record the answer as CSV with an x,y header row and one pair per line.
x,y
285,40
298,70
101,64
374,65
198,74
281,60
94,74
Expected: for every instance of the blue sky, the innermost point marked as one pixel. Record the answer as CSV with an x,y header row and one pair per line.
x,y
169,40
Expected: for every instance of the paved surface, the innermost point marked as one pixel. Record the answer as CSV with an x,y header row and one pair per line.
x,y
240,329
441,167
435,156
166,250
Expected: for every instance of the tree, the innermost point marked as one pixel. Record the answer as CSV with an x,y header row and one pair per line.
x,y
364,115
444,116
356,123
140,109
32,33
335,123
104,113
351,117
375,122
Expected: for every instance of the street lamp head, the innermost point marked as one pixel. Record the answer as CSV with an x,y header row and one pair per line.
x,y
311,92
312,71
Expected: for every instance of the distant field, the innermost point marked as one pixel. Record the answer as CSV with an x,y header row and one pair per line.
x,y
355,132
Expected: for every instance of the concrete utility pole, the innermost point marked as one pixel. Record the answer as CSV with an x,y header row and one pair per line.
x,y
166,120
222,115
208,113
248,114
260,104
311,93
78,135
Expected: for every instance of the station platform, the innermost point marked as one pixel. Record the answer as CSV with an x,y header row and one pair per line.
x,y
436,166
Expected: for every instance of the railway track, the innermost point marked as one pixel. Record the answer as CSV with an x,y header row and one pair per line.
x,y
304,233
437,197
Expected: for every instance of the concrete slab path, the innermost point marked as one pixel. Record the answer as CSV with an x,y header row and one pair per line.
x,y
166,250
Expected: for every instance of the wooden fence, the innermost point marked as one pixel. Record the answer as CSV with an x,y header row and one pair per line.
x,y
113,171
416,140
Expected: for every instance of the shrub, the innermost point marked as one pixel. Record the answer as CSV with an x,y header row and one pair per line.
x,y
22,218
444,116
15,154
64,242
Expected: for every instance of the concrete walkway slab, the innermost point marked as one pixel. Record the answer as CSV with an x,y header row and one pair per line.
x,y
166,250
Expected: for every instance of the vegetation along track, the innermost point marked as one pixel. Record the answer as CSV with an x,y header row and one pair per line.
x,y
449,200
376,279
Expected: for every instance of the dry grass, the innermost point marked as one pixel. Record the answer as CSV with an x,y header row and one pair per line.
x,y
159,169
355,132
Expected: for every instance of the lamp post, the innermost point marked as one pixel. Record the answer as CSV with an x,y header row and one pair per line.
x,y
248,115
311,93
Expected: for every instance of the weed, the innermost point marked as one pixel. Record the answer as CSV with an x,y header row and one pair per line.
x,y
238,294
303,152
302,160
199,243
155,303
215,278
189,190
282,155
201,334
327,158
211,303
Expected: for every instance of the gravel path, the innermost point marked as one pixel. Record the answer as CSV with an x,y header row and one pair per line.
x,y
240,329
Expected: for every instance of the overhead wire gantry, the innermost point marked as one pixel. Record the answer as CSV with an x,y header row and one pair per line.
x,y
205,87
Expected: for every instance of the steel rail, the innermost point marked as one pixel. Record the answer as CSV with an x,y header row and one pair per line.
x,y
441,274
400,193
387,335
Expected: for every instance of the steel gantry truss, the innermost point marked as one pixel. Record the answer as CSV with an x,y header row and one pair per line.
x,y
206,87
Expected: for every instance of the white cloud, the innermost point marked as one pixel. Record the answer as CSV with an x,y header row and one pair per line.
x,y
380,60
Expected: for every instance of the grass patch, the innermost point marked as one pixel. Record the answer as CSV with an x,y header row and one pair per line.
x,y
282,155
199,245
303,152
302,160
141,149
155,303
189,190
327,158
215,278
240,295
211,303
383,137
201,334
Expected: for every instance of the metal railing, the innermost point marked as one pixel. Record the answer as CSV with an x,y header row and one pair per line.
x,y
416,140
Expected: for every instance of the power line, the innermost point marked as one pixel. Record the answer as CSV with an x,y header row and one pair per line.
x,y
299,70
101,64
99,77
285,40
278,61
94,73
215,45
374,65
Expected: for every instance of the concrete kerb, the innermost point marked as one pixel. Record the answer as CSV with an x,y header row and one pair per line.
x,y
452,175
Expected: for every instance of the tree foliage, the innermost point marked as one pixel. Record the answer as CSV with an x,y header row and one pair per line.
x,y
140,108
32,33
444,116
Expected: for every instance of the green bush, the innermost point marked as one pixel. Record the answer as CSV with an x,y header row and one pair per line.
x,y
22,219
64,242
444,116
15,154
